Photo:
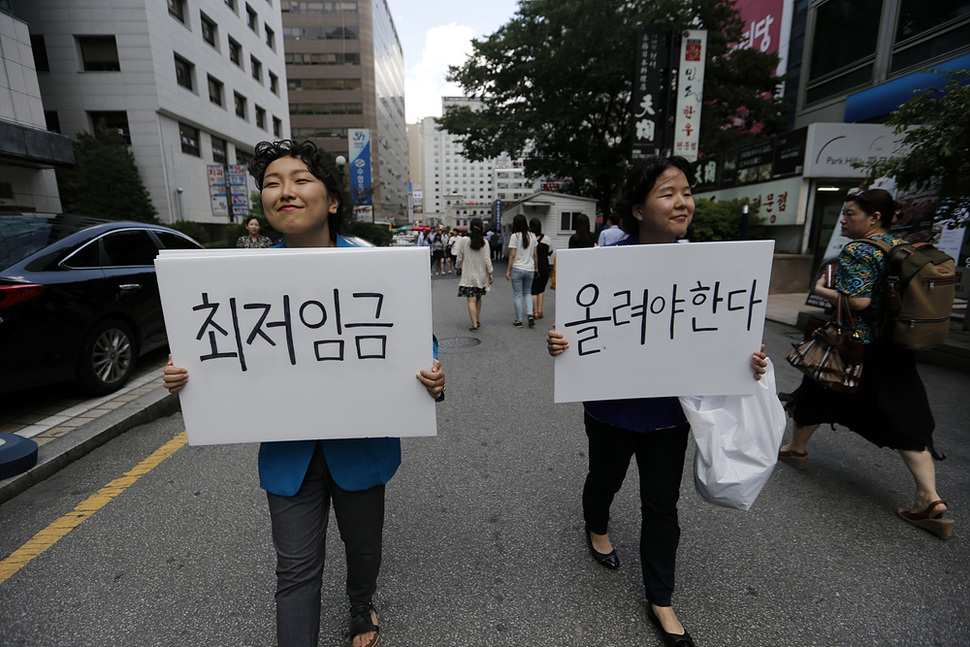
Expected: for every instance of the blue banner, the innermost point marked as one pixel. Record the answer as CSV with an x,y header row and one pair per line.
x,y
360,183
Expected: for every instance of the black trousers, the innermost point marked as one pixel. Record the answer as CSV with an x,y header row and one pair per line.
x,y
660,462
300,538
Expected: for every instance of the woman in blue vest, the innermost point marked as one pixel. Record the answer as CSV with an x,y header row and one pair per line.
x,y
301,199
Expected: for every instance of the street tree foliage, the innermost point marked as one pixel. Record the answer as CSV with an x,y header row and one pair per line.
x,y
935,130
556,82
105,182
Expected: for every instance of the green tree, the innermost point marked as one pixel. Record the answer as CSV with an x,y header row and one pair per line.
x,y
716,220
105,182
556,82
936,138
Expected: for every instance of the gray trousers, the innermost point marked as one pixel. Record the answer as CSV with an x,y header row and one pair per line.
x,y
299,536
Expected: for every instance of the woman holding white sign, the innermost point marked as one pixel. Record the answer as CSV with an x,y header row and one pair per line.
x,y
301,199
656,207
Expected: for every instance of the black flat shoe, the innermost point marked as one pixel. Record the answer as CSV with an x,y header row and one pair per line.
x,y
670,640
606,560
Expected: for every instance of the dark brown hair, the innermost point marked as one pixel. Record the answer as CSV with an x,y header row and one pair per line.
x,y
876,200
309,154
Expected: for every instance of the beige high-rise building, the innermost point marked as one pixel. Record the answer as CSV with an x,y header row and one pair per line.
x,y
344,71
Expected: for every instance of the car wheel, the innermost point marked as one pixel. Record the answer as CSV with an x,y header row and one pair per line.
x,y
107,358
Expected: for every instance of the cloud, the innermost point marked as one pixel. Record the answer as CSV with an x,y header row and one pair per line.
x,y
425,82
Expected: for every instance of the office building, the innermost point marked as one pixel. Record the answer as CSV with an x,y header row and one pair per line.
x,y
28,151
192,86
345,71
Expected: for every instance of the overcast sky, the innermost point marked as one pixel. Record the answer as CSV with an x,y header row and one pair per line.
x,y
436,34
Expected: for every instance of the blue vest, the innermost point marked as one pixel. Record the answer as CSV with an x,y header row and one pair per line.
x,y
355,464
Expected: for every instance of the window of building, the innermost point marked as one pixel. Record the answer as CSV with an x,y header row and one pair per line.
x,y
235,52
297,85
322,58
260,117
251,19
852,25
277,127
270,38
184,71
321,33
274,83
317,6
176,9
219,150
925,31
99,53
189,137
52,120
215,91
39,49
567,220
231,4
113,120
239,102
257,68
209,30
243,157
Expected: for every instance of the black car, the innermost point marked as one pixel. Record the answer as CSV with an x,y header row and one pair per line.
x,y
78,299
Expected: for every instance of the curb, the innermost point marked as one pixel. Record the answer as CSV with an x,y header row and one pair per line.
x,y
60,452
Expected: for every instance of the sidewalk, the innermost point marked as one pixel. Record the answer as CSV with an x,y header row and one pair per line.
x,y
66,434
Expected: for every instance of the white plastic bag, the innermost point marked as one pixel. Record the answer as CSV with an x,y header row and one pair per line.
x,y
737,438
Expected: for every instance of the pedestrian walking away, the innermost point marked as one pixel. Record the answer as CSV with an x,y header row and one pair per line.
x,y
475,262
544,252
302,200
521,269
582,237
656,207
890,407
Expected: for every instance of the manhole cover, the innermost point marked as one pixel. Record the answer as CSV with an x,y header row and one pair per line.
x,y
452,344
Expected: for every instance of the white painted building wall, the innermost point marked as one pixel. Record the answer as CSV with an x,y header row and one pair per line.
x,y
148,38
20,103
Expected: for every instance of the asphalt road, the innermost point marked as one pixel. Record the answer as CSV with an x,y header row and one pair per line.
x,y
483,541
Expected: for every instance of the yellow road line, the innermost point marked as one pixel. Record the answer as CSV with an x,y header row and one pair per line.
x,y
49,535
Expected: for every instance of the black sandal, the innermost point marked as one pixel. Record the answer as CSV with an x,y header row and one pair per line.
x,y
361,623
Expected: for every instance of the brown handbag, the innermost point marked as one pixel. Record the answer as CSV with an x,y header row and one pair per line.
x,y
832,354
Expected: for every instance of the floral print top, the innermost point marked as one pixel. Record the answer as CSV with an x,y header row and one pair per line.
x,y
861,273
248,242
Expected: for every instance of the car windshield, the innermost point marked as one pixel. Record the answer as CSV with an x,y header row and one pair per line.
x,y
21,236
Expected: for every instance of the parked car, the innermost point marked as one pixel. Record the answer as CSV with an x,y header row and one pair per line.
x,y
78,299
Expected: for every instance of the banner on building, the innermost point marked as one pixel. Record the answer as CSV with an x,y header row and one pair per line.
x,y
238,191
647,103
218,193
690,93
358,142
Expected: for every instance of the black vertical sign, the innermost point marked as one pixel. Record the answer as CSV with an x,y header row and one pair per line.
x,y
647,102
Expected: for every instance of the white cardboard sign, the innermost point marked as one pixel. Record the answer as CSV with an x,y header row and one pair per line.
x,y
295,344
660,320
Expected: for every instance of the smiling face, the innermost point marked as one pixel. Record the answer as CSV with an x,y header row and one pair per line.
x,y
667,210
297,203
253,227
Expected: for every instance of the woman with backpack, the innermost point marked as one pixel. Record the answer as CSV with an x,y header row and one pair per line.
x,y
890,408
